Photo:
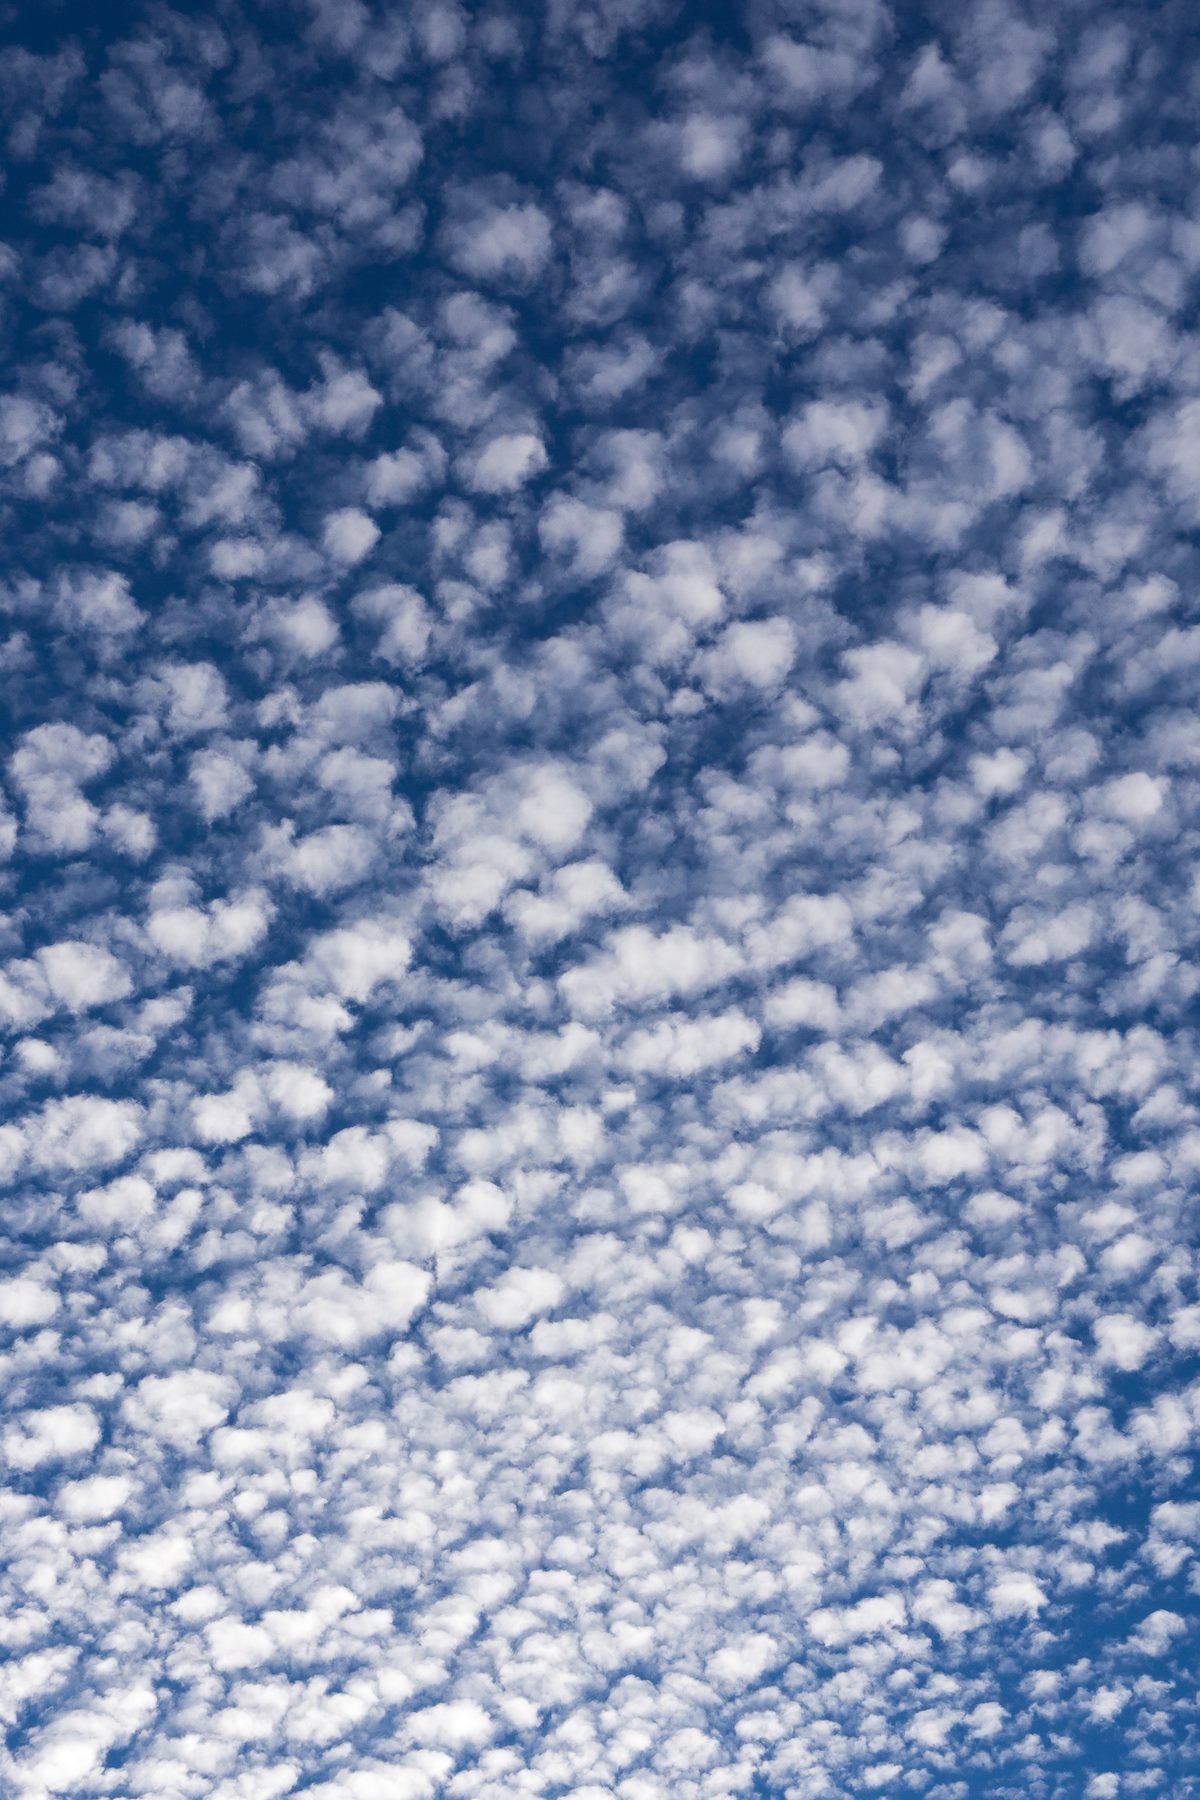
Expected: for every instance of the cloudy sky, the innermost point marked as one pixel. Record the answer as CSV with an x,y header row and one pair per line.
x,y
599,801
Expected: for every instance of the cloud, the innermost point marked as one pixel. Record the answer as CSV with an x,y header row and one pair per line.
x,y
1123,1340
25,1302
506,243
197,936
55,1434
349,535
521,1295
1014,1594
49,768
83,1132
506,463
598,842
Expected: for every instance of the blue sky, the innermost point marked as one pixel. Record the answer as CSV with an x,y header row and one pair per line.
x,y
599,815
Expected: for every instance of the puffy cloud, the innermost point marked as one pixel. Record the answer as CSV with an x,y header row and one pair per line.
x,y
197,936
24,425
754,654
1133,797
97,600
454,1724
506,463
685,1047
519,1296
403,618
877,1613
26,1302
328,860
640,965
349,535
192,698
1015,1594
591,536
1123,1340
81,975
50,767
55,1434
94,1497
827,432
83,1132
508,243
355,959
221,782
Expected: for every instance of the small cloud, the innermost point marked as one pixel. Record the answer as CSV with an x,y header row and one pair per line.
x,y
349,535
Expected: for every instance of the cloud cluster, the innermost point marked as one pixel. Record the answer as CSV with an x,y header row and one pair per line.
x,y
598,831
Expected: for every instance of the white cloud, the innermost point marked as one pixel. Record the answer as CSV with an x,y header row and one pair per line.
x,y
349,535
454,1724
50,767
681,1048
506,463
1015,1594
329,860
55,1434
754,654
94,1497
98,600
842,434
519,1296
221,782
26,1302
81,975
710,147
1123,1340
404,620
507,243
591,536
356,959
196,936
83,1132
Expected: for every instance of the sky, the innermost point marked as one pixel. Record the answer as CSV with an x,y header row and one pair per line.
x,y
599,806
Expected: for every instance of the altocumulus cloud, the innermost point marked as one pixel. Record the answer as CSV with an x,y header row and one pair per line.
x,y
598,821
